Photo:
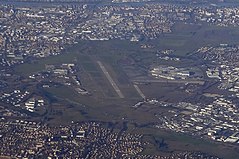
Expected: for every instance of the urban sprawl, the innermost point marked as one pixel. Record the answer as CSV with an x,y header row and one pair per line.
x,y
30,33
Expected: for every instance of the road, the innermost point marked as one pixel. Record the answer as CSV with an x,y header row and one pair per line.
x,y
112,82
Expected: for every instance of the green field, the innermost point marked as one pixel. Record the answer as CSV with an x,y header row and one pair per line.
x,y
187,38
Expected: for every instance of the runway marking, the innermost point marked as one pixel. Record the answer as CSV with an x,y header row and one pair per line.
x,y
112,82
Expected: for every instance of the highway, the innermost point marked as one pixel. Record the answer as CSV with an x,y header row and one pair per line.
x,y
112,82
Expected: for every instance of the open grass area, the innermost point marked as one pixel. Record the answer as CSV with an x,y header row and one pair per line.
x,y
60,115
187,38
180,142
173,42
28,69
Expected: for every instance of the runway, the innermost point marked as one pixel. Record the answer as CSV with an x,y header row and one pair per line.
x,y
112,82
139,91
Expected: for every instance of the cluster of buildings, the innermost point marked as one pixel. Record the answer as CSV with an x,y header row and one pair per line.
x,y
66,74
126,23
40,32
151,20
15,97
224,16
9,113
166,55
32,103
28,139
222,66
187,154
34,32
172,73
217,121
25,139
22,99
